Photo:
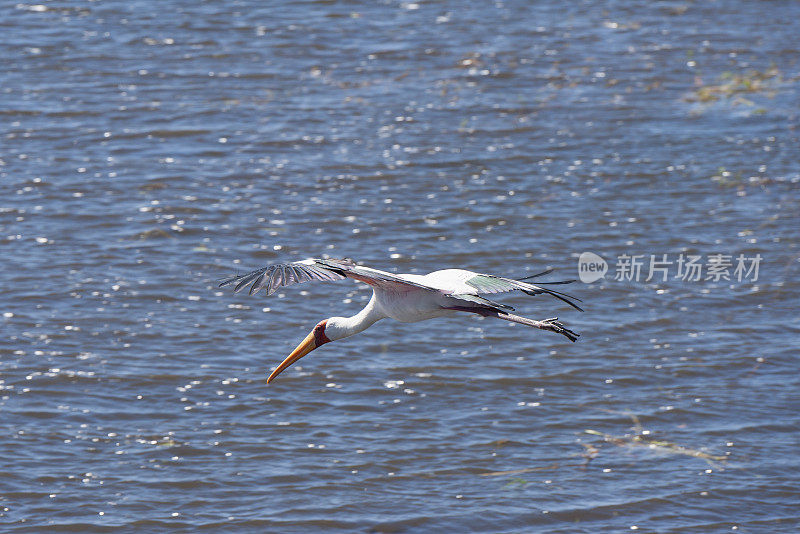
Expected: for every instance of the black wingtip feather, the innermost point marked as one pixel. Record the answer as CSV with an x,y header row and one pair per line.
x,y
569,299
556,283
557,294
228,280
537,275
257,284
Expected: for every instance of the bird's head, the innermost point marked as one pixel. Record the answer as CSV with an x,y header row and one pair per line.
x,y
316,338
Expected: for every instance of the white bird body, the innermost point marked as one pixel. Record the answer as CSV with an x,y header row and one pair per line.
x,y
406,298
410,305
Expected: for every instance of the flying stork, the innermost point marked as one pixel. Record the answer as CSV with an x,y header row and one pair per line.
x,y
404,297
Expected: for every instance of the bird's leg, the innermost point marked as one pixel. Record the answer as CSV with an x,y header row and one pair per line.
x,y
551,324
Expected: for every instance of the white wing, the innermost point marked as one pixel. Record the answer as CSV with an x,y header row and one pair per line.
x,y
460,282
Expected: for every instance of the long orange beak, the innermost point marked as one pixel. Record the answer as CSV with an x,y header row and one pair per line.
x,y
305,346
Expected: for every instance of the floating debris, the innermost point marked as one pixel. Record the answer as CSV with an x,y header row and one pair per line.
x,y
734,86
660,445
529,469
641,438
155,233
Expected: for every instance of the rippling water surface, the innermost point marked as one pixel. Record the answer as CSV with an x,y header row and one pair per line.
x,y
149,149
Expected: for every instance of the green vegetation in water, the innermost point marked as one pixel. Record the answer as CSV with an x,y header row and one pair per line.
x,y
726,178
517,482
529,470
641,438
735,86
155,233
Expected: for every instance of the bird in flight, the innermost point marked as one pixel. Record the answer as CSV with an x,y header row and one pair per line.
x,y
404,297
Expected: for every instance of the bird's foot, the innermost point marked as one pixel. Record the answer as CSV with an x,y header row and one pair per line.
x,y
553,325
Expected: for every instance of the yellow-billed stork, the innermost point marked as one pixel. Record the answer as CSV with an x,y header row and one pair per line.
x,y
403,297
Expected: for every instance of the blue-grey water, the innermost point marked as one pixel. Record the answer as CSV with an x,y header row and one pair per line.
x,y
150,148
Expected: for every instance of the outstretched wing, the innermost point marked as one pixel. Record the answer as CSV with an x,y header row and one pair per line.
x,y
489,284
278,275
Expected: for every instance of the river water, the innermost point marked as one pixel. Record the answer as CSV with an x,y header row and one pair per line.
x,y
149,149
